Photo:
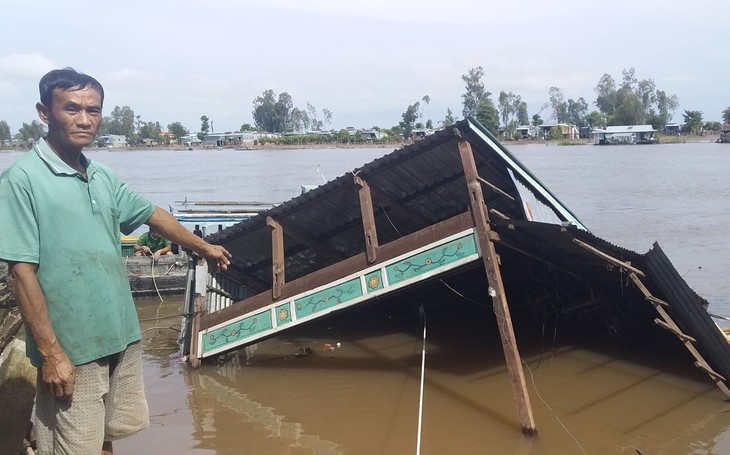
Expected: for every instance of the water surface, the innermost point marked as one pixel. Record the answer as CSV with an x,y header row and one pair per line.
x,y
300,394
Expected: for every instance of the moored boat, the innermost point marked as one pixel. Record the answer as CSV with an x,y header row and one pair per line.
x,y
168,274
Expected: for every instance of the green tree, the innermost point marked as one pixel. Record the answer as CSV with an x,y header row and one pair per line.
x,y
409,120
327,117
665,107
537,120
506,106
449,119
151,130
247,127
299,120
558,105
315,124
556,132
577,111
282,113
634,101
264,111
343,136
475,92
692,122
204,127
596,120
713,126
177,130
426,100
523,117
29,133
629,110
5,136
726,115
488,116
606,95
121,122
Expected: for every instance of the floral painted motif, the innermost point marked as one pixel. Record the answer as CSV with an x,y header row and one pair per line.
x,y
283,314
373,282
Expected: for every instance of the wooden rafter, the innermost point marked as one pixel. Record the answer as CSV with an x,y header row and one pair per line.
x,y
277,257
480,214
667,323
368,219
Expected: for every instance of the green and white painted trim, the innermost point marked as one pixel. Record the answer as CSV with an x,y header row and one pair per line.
x,y
405,270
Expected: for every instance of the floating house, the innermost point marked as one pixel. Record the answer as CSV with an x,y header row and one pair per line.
x,y
724,134
113,140
528,131
624,135
455,205
567,131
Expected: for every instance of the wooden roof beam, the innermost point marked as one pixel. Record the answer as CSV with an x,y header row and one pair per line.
x,y
368,220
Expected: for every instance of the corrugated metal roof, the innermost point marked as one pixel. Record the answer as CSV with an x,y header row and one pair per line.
x,y
627,129
412,188
423,184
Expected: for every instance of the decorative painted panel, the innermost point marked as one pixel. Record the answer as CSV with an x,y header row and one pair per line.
x,y
431,260
328,298
233,334
283,314
360,287
374,281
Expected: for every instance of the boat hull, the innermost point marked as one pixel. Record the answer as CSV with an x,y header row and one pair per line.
x,y
167,275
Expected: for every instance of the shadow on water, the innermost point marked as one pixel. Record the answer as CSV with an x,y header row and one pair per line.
x,y
350,384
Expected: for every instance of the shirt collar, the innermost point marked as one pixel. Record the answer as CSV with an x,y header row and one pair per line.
x,y
55,163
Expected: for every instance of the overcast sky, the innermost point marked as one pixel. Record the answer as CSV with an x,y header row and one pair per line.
x,y
364,61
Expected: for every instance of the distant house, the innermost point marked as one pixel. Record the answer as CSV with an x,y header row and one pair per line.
x,y
420,133
113,140
372,135
567,131
625,134
528,131
236,139
673,129
190,140
147,142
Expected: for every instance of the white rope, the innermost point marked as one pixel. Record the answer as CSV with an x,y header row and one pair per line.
x,y
423,375
154,281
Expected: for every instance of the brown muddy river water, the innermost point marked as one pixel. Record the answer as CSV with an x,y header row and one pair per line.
x,y
301,394
351,384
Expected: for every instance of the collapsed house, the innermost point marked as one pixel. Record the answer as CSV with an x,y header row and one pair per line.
x,y
456,203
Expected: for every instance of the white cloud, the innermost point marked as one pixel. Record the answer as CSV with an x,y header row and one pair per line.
x,y
25,66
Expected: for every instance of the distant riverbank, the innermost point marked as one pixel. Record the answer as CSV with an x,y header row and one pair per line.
x,y
710,137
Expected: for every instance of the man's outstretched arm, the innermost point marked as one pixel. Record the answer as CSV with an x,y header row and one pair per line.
x,y
164,223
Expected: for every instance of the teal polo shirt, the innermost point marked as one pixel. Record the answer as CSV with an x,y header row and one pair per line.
x,y
51,216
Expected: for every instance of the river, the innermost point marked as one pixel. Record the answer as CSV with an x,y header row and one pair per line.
x,y
300,394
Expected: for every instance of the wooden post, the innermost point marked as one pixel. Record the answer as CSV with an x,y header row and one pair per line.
x,y
496,290
194,360
368,220
277,257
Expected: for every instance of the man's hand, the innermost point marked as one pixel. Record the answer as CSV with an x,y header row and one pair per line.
x,y
218,258
156,255
59,376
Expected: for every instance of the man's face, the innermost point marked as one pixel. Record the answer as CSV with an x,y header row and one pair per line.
x,y
73,118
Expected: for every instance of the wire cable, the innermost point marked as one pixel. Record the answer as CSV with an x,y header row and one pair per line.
x,y
422,313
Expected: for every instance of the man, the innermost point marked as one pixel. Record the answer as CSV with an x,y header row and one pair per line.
x,y
82,327
153,244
